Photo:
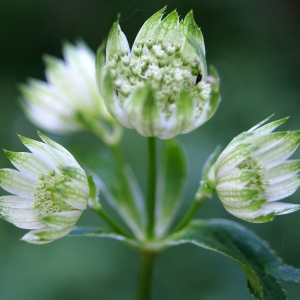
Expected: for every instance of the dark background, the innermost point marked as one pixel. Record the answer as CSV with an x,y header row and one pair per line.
x,y
255,46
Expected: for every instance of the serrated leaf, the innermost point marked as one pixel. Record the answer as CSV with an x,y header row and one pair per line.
x,y
261,266
170,185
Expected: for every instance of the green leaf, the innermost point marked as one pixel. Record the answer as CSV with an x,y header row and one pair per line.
x,y
89,231
96,232
117,186
261,266
171,181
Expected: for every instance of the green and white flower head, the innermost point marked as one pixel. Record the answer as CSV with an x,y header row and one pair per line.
x,y
160,87
254,172
70,98
50,190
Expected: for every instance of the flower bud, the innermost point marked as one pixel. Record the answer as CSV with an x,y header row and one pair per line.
x,y
254,172
69,95
164,90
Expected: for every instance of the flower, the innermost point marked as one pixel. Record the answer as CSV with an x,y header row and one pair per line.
x,y
50,190
253,172
160,87
70,99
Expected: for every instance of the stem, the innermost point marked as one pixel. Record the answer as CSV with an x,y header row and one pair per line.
x,y
200,197
145,276
110,221
151,185
108,133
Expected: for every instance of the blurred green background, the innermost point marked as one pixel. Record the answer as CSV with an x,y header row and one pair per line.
x,y
255,46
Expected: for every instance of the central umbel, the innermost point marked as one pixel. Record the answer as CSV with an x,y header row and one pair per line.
x,y
47,199
160,63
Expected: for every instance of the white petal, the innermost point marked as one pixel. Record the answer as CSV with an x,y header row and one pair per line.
x,y
20,211
75,194
17,183
229,193
28,164
50,121
283,171
46,153
66,157
271,209
62,220
283,189
227,162
280,151
44,236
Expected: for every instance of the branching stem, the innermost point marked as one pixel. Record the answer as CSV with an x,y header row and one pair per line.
x,y
151,186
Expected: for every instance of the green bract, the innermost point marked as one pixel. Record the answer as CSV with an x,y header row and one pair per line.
x,y
50,190
160,87
69,96
253,172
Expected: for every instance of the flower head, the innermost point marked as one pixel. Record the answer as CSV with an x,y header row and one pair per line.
x,y
160,87
50,190
253,172
70,98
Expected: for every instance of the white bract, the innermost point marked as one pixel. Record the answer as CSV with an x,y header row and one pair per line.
x,y
50,190
160,87
253,172
70,96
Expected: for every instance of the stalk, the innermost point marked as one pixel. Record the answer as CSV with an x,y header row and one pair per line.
x,y
145,276
151,186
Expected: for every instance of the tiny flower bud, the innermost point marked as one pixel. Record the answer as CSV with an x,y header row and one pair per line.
x,y
253,172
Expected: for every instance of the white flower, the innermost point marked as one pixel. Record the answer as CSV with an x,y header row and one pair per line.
x,y
70,97
160,87
253,172
50,190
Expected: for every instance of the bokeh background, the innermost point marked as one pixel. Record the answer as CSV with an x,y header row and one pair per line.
x,y
255,46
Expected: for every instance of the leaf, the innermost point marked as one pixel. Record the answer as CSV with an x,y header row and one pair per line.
x,y
118,187
90,231
262,267
171,181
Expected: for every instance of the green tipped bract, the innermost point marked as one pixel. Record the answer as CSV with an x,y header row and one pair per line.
x,y
254,172
160,87
69,94
50,190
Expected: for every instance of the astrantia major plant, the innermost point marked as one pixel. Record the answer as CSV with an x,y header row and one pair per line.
x,y
161,88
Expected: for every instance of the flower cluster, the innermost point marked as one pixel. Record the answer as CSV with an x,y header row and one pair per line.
x,y
162,87
70,94
253,172
50,191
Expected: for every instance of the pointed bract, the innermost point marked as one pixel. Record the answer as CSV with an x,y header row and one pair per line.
x,y
253,172
70,94
167,60
50,190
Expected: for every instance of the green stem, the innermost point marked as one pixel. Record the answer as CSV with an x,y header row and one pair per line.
x,y
145,276
108,133
110,221
200,197
151,185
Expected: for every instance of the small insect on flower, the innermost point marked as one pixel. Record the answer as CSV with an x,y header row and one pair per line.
x,y
253,172
50,190
162,83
